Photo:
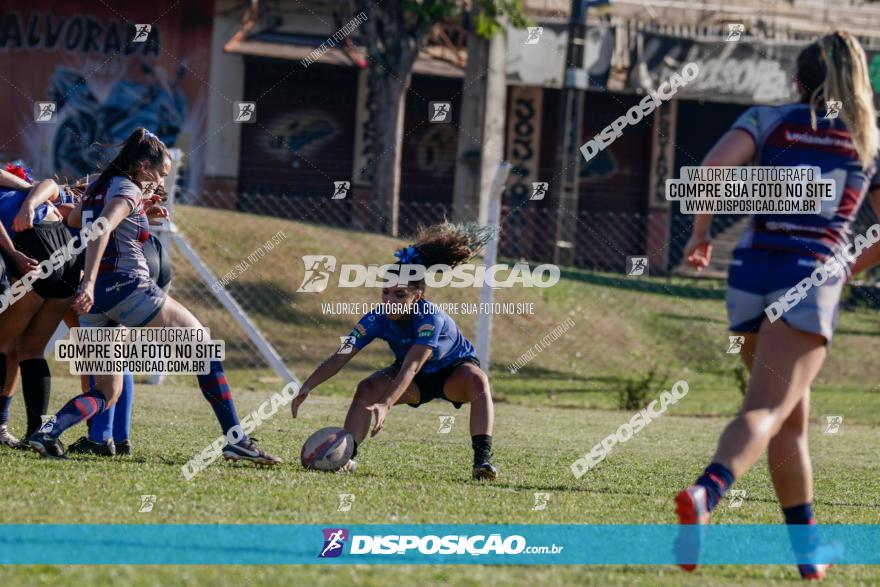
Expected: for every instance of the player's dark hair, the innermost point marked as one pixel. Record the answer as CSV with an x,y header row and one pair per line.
x,y
446,243
834,67
76,188
141,145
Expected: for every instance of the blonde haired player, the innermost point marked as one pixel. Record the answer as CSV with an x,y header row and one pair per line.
x,y
773,255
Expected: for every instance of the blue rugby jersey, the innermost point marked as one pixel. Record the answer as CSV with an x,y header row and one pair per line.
x,y
428,325
10,203
784,137
125,249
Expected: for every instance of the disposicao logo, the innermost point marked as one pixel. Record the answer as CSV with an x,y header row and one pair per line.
x,y
334,540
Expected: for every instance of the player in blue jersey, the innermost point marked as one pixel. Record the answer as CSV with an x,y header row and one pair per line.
x,y
432,358
775,254
10,183
33,229
116,289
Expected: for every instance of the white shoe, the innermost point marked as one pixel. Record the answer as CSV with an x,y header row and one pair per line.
x,y
6,438
349,467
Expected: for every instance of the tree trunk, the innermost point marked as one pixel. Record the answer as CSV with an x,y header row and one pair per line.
x,y
390,96
392,50
482,112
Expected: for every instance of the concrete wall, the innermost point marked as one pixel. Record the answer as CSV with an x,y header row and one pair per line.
x,y
226,86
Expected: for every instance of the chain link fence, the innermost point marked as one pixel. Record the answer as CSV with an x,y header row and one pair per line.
x,y
253,243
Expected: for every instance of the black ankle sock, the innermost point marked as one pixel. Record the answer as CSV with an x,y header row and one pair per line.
x,y
355,451
36,383
482,445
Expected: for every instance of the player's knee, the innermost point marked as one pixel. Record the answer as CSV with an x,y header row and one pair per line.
x,y
477,385
794,425
764,420
111,396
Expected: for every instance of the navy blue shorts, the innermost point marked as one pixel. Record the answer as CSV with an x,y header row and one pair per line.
x,y
758,279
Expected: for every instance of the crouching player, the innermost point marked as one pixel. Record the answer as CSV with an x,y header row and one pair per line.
x,y
433,360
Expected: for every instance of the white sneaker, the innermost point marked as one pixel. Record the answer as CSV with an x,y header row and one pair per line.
x,y
349,467
6,437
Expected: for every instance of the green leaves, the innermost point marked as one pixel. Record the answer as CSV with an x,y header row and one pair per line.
x,y
489,14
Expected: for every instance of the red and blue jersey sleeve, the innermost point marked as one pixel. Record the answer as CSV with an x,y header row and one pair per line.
x,y
121,187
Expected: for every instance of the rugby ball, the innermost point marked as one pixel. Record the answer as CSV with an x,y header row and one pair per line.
x,y
328,449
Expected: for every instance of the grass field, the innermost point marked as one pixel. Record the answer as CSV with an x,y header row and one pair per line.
x,y
412,474
548,414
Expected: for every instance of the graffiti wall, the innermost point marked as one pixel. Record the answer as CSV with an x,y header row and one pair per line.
x,y
753,72
78,77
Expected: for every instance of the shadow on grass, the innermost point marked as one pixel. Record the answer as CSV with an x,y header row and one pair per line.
x,y
689,318
520,378
853,332
269,301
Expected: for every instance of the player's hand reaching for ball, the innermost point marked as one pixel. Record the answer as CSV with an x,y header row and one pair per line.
x,y
85,298
298,401
698,251
380,410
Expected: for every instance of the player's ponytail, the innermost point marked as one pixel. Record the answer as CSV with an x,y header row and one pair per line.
x,y
74,191
446,244
141,145
834,68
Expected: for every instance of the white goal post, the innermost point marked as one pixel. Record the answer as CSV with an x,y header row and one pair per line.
x,y
490,256
168,234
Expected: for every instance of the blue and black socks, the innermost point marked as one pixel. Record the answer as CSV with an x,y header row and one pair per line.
x,y
717,479
115,421
802,529
4,409
216,391
82,407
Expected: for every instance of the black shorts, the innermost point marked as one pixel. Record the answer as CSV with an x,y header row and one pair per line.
x,y
158,261
431,384
4,277
39,243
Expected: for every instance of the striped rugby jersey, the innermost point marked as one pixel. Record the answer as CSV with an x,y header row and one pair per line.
x,y
125,249
784,137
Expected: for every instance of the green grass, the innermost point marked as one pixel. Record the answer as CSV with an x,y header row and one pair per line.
x,y
548,414
412,474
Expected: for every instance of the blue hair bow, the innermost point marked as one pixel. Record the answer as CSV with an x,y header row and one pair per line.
x,y
408,255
